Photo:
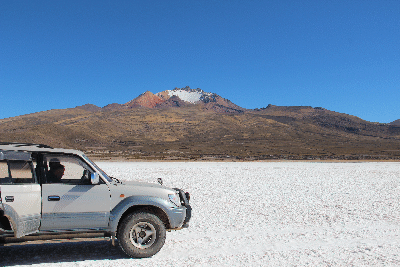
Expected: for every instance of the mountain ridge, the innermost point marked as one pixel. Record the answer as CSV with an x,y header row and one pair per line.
x,y
163,126
178,97
172,98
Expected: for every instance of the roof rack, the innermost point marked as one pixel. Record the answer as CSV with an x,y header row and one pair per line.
x,y
16,144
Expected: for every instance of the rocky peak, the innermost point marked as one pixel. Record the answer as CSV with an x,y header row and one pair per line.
x,y
180,97
147,99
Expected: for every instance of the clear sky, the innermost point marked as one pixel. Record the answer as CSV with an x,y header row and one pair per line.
x,y
342,55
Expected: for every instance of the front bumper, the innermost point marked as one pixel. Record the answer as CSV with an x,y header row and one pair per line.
x,y
184,197
179,218
188,216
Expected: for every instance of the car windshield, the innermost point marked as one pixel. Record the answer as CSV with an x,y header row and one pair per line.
x,y
99,169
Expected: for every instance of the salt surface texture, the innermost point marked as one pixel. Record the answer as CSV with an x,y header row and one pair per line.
x,y
259,214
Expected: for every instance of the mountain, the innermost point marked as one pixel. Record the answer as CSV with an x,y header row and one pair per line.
x,y
208,101
192,124
180,97
147,100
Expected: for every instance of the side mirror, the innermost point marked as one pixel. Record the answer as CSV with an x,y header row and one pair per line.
x,y
94,178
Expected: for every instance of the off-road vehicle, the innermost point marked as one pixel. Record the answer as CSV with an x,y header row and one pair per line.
x,y
50,193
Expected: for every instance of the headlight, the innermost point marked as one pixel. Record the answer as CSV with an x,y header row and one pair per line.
x,y
175,199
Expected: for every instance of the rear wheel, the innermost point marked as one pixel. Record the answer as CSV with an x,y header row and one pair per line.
x,y
141,235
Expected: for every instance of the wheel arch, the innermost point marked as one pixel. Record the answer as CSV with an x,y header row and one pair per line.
x,y
10,220
148,209
6,222
132,204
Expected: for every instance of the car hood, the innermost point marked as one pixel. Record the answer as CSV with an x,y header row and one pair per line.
x,y
144,184
128,189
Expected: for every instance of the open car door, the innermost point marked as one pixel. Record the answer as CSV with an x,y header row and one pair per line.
x,y
20,193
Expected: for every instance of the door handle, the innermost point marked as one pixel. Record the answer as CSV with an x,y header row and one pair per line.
x,y
53,198
9,198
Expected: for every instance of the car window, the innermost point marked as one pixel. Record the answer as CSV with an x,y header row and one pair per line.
x,y
67,170
4,174
98,169
16,172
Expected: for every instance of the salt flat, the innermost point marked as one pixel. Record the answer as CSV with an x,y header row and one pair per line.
x,y
258,214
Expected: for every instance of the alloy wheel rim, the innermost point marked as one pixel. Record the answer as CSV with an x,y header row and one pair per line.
x,y
142,235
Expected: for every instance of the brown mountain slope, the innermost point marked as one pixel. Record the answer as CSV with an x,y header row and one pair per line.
x,y
173,101
192,132
147,100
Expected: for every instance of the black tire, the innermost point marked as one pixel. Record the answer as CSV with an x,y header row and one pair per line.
x,y
141,235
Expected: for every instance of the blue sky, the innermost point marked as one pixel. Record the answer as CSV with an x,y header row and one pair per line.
x,y
340,55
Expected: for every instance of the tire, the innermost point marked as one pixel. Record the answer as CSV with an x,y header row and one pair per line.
x,y
141,235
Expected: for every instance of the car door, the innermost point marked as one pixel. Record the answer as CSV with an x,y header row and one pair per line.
x,y
20,192
71,202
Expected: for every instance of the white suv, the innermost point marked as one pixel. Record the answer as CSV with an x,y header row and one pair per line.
x,y
49,192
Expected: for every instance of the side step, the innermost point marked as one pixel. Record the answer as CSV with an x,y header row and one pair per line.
x,y
7,240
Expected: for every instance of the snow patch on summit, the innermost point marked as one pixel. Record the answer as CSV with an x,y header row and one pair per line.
x,y
191,97
187,94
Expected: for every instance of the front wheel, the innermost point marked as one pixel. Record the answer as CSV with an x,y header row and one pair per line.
x,y
141,235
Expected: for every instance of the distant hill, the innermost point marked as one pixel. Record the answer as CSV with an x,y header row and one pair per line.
x,y
395,123
186,123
